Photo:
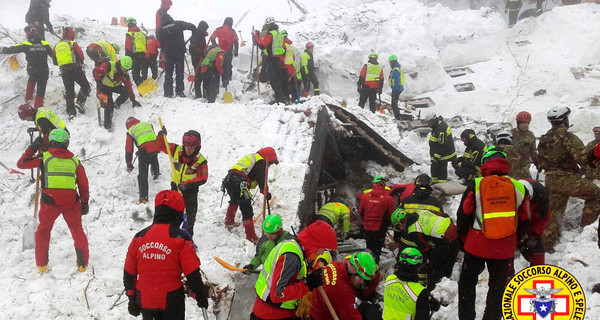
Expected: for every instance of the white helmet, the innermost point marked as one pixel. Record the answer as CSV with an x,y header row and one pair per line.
x,y
504,136
429,116
269,20
558,114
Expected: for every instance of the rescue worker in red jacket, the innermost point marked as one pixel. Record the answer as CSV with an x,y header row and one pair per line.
x,y
45,121
165,5
375,209
341,280
285,278
191,170
135,47
37,52
231,50
112,77
532,247
244,176
152,46
370,82
273,43
156,258
69,58
142,135
198,50
212,69
102,51
61,175
488,239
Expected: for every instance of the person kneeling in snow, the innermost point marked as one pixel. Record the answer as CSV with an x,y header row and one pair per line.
x,y
156,258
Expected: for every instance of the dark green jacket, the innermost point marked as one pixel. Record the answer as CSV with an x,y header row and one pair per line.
x,y
264,247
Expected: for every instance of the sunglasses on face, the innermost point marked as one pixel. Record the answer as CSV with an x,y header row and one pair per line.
x,y
190,141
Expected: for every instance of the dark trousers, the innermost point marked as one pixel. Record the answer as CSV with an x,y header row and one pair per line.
x,y
37,79
190,198
72,74
139,64
368,93
196,61
375,241
145,161
232,185
153,65
109,107
440,263
278,79
227,67
439,171
471,268
395,98
210,80
263,76
308,79
513,12
293,88
174,62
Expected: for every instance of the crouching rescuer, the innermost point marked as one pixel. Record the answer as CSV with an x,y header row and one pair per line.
x,y
156,259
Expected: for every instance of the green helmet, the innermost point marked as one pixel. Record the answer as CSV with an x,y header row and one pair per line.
x,y
130,20
126,62
284,33
492,152
373,55
379,179
411,256
398,215
365,264
393,58
58,136
272,224
116,47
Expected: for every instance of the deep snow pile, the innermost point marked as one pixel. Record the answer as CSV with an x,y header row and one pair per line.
x,y
427,40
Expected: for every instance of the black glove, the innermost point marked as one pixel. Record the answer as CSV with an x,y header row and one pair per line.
x,y
314,279
85,208
37,143
135,103
434,304
591,158
133,307
379,91
181,186
596,288
202,301
248,267
359,88
268,196
163,131
129,167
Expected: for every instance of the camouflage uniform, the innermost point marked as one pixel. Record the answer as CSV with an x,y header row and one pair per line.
x,y
524,145
514,159
591,173
560,152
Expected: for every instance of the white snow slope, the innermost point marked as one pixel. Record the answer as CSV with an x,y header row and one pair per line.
x,y
427,40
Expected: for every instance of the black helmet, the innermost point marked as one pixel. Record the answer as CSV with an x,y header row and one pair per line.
x,y
423,181
203,25
468,134
192,138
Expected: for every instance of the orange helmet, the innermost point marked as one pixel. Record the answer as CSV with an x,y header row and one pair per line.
x,y
524,116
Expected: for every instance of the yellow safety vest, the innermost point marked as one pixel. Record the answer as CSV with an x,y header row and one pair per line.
x,y
108,50
336,211
373,72
416,207
141,133
392,81
400,299
211,57
277,43
64,53
59,173
108,79
264,282
184,172
139,41
51,116
430,224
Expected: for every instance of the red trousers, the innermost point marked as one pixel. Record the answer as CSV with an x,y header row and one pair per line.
x,y
72,215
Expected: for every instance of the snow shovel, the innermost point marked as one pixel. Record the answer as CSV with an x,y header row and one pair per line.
x,y
14,63
29,232
243,44
231,267
227,96
10,170
149,85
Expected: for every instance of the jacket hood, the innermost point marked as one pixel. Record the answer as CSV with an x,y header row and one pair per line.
x,y
318,235
169,207
133,29
202,26
495,166
61,153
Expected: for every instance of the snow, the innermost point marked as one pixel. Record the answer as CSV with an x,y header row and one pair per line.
x,y
428,38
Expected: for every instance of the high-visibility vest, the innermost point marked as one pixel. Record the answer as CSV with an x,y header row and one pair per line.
x,y
373,72
336,211
416,207
400,298
57,122
246,163
264,282
430,224
496,207
108,79
211,56
108,50
141,133
139,41
304,61
27,43
392,81
277,48
289,57
59,173
184,172
64,53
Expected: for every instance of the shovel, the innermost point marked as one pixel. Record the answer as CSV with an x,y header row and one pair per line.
x,y
227,96
149,85
228,266
29,232
243,44
14,63
10,170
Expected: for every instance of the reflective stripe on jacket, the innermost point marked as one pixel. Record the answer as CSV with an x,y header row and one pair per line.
x,y
59,173
141,133
400,299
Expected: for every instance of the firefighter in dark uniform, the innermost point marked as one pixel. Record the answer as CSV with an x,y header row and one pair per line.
x,y
467,166
513,7
422,197
441,147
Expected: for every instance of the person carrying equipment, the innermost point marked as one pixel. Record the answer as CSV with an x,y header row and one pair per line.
x,y
272,44
45,119
198,49
244,176
141,134
191,170
62,175
370,82
274,235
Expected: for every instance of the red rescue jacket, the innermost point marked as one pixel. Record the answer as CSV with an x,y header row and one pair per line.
x,y
104,68
152,46
201,171
339,290
376,208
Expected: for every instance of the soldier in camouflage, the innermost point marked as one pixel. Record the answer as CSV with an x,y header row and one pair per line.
x,y
505,140
523,142
560,154
592,173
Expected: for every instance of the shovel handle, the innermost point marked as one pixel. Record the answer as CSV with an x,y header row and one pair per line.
x,y
328,303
